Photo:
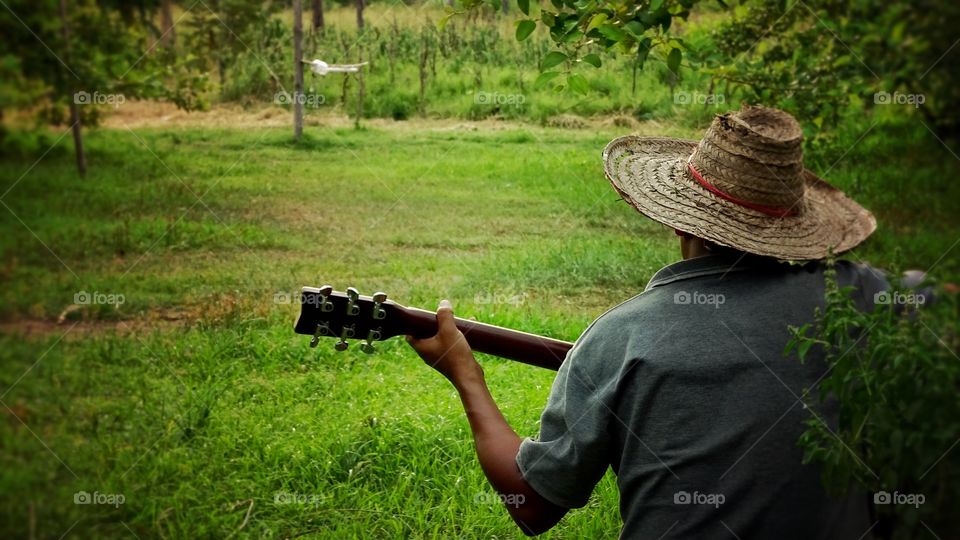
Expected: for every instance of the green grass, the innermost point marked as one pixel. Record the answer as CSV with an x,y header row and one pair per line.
x,y
199,422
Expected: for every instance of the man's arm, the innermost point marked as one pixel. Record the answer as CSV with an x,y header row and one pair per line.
x,y
497,444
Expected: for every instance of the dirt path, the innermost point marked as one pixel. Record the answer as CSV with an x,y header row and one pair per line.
x,y
140,114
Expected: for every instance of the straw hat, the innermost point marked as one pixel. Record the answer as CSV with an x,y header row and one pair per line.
x,y
742,186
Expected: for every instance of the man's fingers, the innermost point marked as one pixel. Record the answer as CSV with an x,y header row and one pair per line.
x,y
444,315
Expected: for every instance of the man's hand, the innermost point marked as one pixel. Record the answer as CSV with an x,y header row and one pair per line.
x,y
447,352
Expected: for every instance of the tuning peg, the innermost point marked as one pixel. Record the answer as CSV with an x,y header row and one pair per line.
x,y
342,344
367,346
323,329
378,299
324,298
353,296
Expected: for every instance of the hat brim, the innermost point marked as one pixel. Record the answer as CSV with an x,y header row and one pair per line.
x,y
651,174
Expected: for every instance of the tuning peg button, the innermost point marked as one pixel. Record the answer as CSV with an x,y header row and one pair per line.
x,y
342,344
367,346
353,296
323,329
378,299
323,300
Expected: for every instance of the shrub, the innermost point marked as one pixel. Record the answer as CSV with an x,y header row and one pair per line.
x,y
895,374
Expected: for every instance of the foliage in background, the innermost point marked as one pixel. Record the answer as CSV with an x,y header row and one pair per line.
x,y
579,28
225,32
894,374
824,61
109,46
828,59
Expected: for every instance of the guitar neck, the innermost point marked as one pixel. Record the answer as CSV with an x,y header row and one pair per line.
x,y
514,345
350,315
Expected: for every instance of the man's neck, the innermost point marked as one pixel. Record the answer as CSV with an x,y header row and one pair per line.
x,y
692,247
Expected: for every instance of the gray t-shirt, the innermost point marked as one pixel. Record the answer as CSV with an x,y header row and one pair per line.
x,y
684,391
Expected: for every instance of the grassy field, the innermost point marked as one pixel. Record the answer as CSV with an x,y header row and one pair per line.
x,y
194,400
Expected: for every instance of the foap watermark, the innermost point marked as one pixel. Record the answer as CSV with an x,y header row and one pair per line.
x,y
496,98
96,98
112,499
85,298
492,298
897,298
698,98
307,100
911,499
696,298
285,497
709,499
296,297
509,499
284,297
896,98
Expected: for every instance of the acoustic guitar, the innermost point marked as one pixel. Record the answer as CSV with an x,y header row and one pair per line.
x,y
350,315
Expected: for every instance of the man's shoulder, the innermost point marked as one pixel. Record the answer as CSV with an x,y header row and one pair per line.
x,y
611,332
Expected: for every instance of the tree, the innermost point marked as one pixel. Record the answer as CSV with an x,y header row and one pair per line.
x,y
297,69
69,64
823,58
221,31
169,35
360,6
75,125
318,14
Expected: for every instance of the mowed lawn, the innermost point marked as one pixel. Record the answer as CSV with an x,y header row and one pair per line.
x,y
194,400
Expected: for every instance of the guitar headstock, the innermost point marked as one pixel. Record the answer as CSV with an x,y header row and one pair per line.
x,y
348,315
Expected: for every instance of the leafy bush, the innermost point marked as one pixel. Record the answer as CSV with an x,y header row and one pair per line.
x,y
895,374
826,60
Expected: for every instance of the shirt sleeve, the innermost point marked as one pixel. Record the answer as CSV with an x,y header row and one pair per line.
x,y
571,454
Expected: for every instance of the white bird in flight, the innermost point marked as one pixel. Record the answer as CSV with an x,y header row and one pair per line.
x,y
322,68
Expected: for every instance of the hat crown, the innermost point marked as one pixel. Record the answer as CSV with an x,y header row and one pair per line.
x,y
754,155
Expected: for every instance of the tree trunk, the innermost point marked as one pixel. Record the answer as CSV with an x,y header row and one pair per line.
x,y
360,6
74,110
169,36
424,56
297,69
361,92
505,6
318,14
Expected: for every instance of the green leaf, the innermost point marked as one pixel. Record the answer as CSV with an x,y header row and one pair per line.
x,y
525,28
553,59
636,28
592,59
656,5
524,6
572,36
596,21
611,32
578,83
673,60
544,79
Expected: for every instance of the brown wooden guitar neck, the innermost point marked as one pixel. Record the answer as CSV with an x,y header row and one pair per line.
x,y
503,342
